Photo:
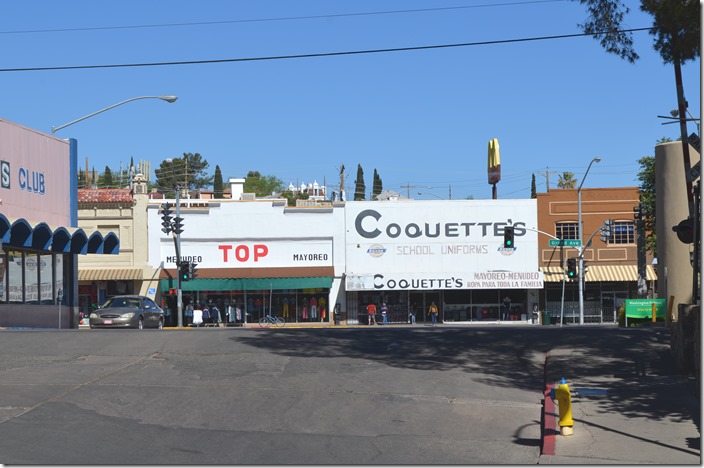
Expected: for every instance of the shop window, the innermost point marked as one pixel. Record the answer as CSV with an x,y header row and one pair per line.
x,y
59,279
119,288
3,276
46,279
31,278
14,273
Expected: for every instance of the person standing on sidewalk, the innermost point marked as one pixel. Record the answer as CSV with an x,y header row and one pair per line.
x,y
433,312
384,311
371,312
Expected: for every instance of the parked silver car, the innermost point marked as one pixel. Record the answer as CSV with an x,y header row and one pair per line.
x,y
128,312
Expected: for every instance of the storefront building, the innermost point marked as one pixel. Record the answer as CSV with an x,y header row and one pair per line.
x,y
40,240
613,271
253,257
124,211
409,254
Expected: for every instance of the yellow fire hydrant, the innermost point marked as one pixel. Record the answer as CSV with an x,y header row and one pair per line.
x,y
564,403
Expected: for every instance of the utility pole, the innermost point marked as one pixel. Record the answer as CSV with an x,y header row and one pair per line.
x,y
547,178
342,182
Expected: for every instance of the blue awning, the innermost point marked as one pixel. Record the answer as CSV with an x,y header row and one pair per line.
x,y
20,233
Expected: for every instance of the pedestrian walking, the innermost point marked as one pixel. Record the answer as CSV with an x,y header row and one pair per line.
x,y
384,311
433,312
412,315
371,312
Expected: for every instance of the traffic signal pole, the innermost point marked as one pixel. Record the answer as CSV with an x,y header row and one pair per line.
x,y
564,266
179,293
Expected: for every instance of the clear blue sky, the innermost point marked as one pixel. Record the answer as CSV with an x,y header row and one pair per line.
x,y
421,118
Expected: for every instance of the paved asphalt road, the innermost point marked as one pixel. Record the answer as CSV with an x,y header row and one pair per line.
x,y
378,395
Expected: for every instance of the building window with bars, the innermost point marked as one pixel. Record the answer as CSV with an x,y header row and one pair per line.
x,y
566,231
624,232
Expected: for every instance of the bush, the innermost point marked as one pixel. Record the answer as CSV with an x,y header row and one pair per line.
x,y
621,317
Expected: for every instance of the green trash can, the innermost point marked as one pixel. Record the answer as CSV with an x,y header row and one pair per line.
x,y
545,318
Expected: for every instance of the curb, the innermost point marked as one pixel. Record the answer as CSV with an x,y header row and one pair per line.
x,y
547,418
547,445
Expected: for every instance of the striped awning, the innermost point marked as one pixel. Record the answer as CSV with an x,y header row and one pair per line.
x,y
602,273
103,274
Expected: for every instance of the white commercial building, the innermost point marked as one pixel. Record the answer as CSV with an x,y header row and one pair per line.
x,y
299,262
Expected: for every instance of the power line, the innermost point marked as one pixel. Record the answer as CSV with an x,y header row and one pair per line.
x,y
323,54
287,18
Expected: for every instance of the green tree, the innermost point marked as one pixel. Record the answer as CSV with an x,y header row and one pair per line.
x,y
566,180
262,186
377,185
675,26
533,190
217,183
359,187
646,176
292,197
188,173
107,177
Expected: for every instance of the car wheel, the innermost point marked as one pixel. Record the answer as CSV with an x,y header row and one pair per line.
x,y
140,324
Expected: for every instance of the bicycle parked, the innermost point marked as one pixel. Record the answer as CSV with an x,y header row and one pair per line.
x,y
267,320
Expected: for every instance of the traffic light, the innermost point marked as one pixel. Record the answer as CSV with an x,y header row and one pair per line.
x,y
178,225
571,268
508,237
166,218
184,271
685,231
584,268
172,291
607,230
637,212
192,272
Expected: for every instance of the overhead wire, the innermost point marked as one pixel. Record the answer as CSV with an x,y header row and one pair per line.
x,y
314,55
284,18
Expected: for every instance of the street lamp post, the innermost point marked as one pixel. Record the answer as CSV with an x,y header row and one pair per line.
x,y
675,113
430,193
168,99
163,98
581,247
409,187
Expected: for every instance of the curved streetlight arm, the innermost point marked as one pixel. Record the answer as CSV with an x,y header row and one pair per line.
x,y
163,98
587,172
580,258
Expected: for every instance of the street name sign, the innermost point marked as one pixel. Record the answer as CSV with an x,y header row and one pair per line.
x,y
565,242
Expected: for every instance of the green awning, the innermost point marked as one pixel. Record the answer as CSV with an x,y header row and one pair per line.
x,y
249,284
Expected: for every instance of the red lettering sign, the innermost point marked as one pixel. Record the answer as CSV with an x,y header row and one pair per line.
x,y
243,252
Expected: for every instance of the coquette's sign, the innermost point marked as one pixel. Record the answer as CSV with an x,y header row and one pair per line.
x,y
429,281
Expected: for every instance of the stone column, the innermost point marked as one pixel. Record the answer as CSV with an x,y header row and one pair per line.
x,y
674,269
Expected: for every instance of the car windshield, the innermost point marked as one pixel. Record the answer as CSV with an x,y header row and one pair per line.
x,y
121,302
